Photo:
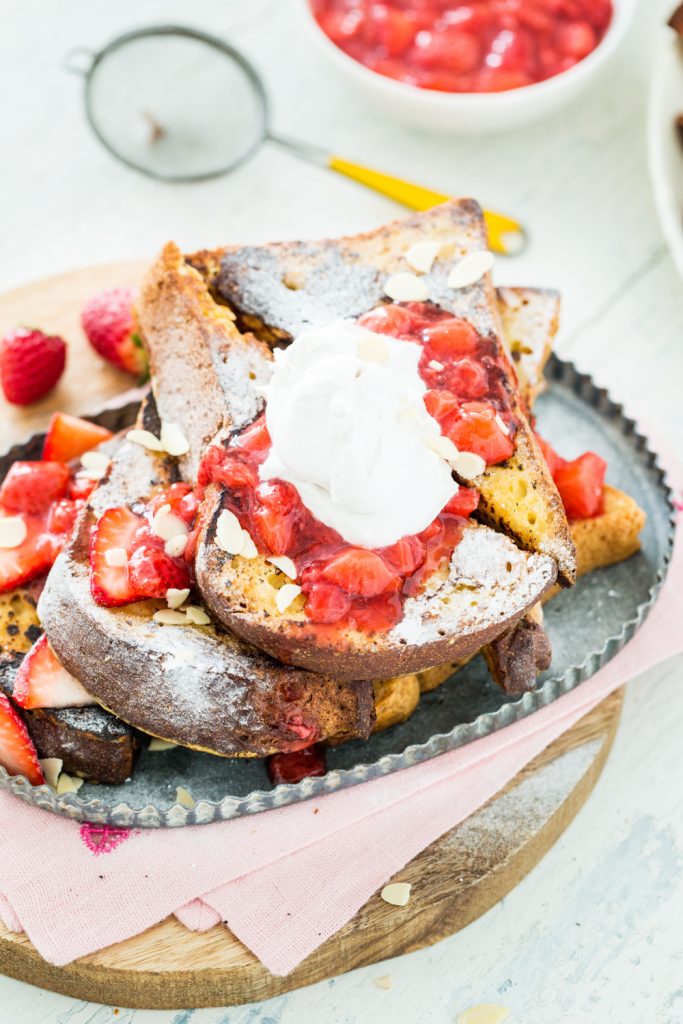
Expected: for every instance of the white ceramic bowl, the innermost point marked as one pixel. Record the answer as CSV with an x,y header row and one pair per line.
x,y
471,113
664,147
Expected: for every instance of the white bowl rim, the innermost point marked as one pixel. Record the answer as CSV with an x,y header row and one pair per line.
x,y
671,224
623,11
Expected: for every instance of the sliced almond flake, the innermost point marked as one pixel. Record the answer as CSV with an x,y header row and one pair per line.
x,y
175,546
443,446
396,893
196,615
173,440
146,439
484,1013
284,564
170,617
12,532
68,784
470,269
156,744
373,348
286,595
51,766
421,255
95,464
469,465
249,549
502,424
185,798
435,364
383,982
167,525
406,287
116,558
175,597
229,534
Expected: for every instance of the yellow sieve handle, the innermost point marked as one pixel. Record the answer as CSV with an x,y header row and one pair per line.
x,y
506,236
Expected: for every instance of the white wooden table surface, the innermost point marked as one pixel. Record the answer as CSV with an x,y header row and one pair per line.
x,y
595,933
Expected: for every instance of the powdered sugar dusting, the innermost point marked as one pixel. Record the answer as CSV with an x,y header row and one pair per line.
x,y
489,581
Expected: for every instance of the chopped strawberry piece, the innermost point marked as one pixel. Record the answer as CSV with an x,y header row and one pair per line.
x,y
477,430
554,460
450,337
576,39
151,572
116,528
449,48
464,503
254,438
275,513
68,437
581,485
442,405
180,497
296,765
31,559
390,319
360,572
18,756
31,487
62,516
81,487
43,682
235,473
376,614
406,555
467,378
326,603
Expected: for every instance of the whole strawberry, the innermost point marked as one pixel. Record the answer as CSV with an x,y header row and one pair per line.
x,y
31,363
109,323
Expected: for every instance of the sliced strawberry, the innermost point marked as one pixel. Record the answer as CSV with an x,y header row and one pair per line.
x,y
581,485
18,756
31,487
464,503
360,572
151,572
43,682
326,603
477,430
297,765
116,528
69,436
81,487
31,559
450,337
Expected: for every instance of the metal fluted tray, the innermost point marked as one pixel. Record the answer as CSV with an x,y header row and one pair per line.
x,y
587,626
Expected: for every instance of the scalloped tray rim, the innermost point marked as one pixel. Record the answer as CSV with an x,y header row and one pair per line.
x,y
121,815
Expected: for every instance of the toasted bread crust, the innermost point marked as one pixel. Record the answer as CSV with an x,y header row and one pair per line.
x,y
279,289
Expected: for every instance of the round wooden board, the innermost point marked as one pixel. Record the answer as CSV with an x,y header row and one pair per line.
x,y
455,880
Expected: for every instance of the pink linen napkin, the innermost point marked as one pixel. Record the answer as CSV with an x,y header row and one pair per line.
x,y
285,880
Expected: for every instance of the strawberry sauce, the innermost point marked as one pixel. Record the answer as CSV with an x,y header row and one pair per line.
x,y
348,585
479,46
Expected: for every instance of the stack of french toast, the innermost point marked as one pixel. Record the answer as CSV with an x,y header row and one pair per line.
x,y
334,496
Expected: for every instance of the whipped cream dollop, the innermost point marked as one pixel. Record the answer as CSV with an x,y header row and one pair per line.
x,y
350,431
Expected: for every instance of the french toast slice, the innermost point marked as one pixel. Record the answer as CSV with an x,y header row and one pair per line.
x,y
89,741
530,319
198,686
186,335
280,289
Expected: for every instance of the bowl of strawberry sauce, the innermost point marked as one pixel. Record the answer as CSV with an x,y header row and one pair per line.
x,y
475,66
